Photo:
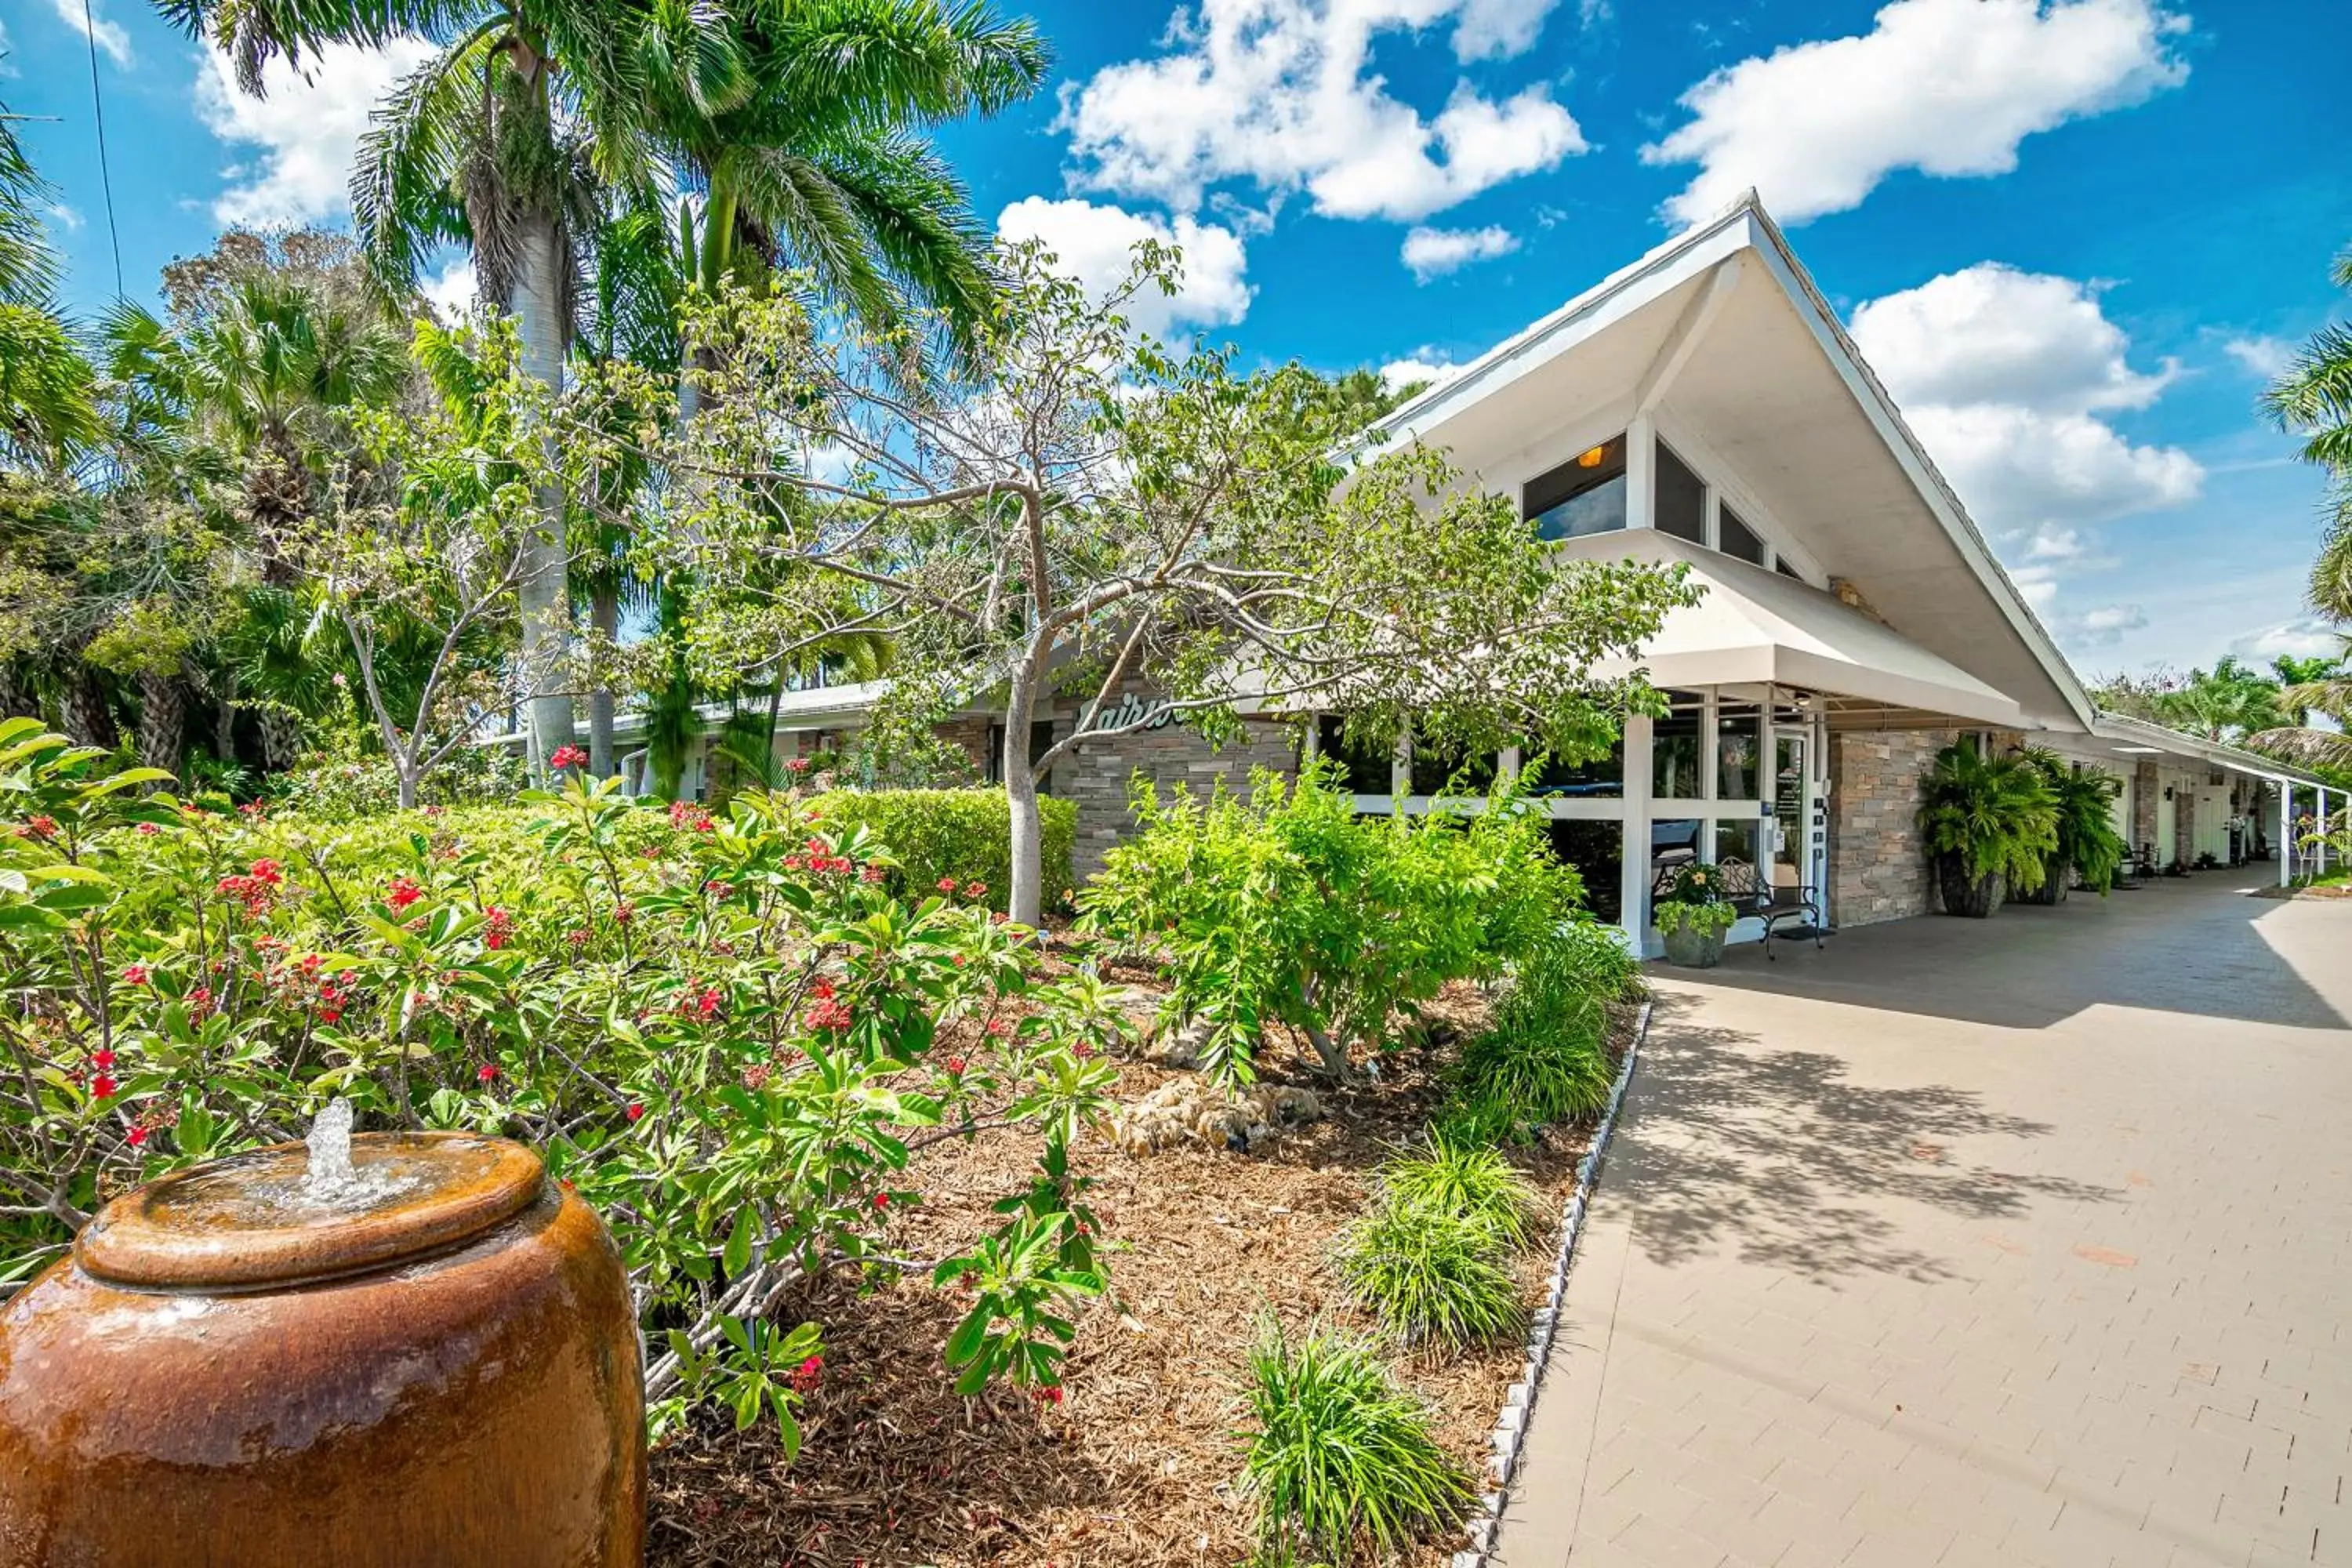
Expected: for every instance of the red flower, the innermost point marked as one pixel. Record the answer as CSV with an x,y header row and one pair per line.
x,y
102,1087
975,889
402,892
568,757
806,1375
136,1137
1052,1395
1083,1050
829,1014
486,1072
800,765
947,884
872,873
102,1060
956,1066
577,937
134,975
998,1028
38,828
266,871
821,988
635,1112
497,928
706,1004
881,1200
624,912
200,1000
148,830
331,1015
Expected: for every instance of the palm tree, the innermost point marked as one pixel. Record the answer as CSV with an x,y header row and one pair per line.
x,y
809,163
498,143
47,412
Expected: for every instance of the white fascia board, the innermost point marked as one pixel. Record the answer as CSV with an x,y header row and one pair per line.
x,y
1942,501
2174,743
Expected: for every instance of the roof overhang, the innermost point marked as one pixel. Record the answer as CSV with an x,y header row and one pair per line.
x,y
1751,626
2130,738
1722,339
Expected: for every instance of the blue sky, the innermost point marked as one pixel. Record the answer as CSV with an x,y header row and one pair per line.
x,y
2072,235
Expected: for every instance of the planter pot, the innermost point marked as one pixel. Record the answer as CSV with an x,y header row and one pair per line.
x,y
1689,949
439,1364
2055,875
1972,897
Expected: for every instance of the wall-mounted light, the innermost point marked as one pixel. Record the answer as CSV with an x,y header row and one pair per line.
x,y
1592,459
2167,792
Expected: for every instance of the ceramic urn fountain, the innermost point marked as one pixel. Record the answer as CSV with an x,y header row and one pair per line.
x,y
397,1349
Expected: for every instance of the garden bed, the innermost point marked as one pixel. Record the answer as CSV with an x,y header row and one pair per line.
x,y
1138,1464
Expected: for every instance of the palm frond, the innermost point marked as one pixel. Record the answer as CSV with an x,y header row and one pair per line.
x,y
417,146
909,61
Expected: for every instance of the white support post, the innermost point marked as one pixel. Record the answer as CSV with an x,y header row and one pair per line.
x,y
1634,874
2285,831
1642,473
2319,827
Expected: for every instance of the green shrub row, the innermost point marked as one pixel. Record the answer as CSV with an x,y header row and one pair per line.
x,y
963,833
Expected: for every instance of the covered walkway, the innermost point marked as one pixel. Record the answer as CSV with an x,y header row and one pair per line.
x,y
2015,1242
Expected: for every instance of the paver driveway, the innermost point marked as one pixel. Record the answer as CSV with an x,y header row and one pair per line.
x,y
2015,1242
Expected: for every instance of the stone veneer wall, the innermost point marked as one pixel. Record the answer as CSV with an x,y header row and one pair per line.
x,y
1096,775
2147,793
1878,866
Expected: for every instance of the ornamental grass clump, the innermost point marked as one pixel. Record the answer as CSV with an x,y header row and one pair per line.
x,y
1430,1276
1343,1464
1468,1180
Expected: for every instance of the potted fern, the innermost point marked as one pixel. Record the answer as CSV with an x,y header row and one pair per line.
x,y
2088,844
1990,826
1693,919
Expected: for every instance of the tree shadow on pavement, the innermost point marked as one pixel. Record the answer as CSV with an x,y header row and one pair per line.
x,y
1774,1153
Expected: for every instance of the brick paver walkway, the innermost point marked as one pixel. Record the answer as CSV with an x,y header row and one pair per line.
x,y
2014,1243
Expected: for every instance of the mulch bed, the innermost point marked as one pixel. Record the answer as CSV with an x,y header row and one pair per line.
x,y
1138,1464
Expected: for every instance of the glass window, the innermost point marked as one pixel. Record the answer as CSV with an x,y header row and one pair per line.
x,y
1737,538
1041,741
1438,769
1736,840
1602,778
1674,750
1736,751
1682,500
1585,495
1786,570
1673,844
1364,769
1597,850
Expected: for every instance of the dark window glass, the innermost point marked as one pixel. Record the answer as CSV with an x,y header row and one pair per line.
x,y
1584,495
1673,751
1597,850
1673,844
1602,778
1682,500
1041,741
1364,769
1736,751
1786,570
1737,538
1436,770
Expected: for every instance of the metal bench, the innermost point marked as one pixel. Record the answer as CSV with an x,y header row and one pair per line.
x,y
1781,900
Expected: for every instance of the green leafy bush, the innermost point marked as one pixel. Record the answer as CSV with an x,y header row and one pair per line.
x,y
1341,1462
1985,820
1700,901
1597,954
1286,907
963,835
1468,1181
2088,843
730,1035
1431,1275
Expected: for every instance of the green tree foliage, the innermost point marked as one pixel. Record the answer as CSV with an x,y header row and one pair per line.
x,y
2088,843
1079,510
1986,818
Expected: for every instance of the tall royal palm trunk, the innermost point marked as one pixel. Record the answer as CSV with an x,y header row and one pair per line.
x,y
537,305
82,708
604,618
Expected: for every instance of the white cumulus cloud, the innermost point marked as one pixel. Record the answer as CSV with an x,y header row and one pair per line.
x,y
1948,86
2267,358
453,290
2005,376
2309,637
294,145
1433,252
92,25
1281,94
1431,370
1095,242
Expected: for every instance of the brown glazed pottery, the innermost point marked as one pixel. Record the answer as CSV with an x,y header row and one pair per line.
x,y
444,1373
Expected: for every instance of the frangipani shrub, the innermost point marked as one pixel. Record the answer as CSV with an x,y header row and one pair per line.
x,y
727,1035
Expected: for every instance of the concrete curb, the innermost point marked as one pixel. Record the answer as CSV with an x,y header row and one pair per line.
x,y
1511,1425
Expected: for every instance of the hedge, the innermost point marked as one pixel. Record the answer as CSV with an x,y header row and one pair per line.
x,y
966,834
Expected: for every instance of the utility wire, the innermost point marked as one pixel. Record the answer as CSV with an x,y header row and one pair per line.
x,y
105,176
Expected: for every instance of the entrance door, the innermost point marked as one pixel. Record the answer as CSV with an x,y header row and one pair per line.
x,y
1799,815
